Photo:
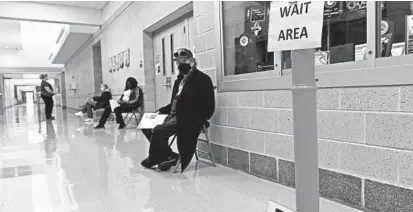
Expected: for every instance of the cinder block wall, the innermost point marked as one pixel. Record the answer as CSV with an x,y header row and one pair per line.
x,y
365,139
365,135
80,71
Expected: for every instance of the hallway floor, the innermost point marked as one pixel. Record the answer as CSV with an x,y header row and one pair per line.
x,y
66,166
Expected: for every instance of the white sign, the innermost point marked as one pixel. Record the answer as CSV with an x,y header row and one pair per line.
x,y
114,104
409,34
295,25
151,120
275,207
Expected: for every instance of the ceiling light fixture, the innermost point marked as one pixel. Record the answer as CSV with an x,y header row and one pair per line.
x,y
31,76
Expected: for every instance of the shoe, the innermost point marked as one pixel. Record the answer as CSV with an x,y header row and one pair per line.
x,y
100,127
122,126
88,120
51,118
172,161
80,114
148,163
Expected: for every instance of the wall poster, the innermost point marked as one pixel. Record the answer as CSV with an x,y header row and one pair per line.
x,y
110,65
409,34
121,60
127,57
158,69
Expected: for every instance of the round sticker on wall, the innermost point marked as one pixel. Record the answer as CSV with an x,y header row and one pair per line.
x,y
330,4
384,27
244,41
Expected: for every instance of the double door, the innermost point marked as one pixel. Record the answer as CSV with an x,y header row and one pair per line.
x,y
178,34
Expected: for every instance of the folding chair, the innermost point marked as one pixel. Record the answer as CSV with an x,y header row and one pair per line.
x,y
133,115
138,110
206,140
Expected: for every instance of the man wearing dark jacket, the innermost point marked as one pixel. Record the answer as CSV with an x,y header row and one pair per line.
x,y
96,102
192,105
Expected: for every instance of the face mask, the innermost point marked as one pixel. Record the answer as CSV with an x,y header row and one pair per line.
x,y
184,68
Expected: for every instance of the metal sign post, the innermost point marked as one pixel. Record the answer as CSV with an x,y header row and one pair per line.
x,y
297,26
304,91
2,96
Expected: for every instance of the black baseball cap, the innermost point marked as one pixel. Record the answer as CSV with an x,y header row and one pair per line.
x,y
183,54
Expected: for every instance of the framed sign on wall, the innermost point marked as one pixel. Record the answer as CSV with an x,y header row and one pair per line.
x,y
110,65
121,60
127,57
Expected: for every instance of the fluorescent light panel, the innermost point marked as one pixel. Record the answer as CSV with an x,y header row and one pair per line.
x,y
31,76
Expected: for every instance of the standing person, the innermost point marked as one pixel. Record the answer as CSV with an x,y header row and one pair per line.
x,y
191,106
131,99
47,96
96,102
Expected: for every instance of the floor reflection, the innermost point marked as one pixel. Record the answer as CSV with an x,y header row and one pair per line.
x,y
50,143
66,166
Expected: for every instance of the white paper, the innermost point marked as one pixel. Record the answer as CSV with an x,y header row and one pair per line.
x,y
310,16
113,104
151,120
273,206
360,52
397,49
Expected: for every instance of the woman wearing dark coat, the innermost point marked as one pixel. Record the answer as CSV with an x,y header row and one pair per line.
x,y
130,100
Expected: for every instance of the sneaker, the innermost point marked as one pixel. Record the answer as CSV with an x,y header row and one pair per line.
x,y
88,120
122,126
148,163
80,114
172,161
99,127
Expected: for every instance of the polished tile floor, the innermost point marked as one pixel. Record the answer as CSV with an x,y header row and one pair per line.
x,y
66,166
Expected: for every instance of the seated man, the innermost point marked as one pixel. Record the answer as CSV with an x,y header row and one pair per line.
x,y
192,104
131,99
96,102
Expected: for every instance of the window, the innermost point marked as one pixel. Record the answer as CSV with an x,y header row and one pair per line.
x,y
163,57
344,34
245,35
396,24
172,54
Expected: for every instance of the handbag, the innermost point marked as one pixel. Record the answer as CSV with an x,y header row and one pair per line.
x,y
47,94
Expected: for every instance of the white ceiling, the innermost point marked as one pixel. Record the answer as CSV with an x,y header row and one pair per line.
x,y
85,4
10,34
21,75
34,43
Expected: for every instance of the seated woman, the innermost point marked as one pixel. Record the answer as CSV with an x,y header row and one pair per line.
x,y
96,102
131,99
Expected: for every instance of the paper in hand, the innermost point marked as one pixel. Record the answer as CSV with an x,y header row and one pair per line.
x,y
113,104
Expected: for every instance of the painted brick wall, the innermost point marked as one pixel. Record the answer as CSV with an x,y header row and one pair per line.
x,y
365,135
365,141
126,31
80,71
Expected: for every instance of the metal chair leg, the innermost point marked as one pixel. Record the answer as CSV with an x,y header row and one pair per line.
x,y
173,140
136,118
177,165
209,146
196,154
129,119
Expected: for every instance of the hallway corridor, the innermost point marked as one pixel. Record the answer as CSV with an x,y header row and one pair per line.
x,y
66,166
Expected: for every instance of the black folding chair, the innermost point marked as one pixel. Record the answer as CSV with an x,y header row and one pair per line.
x,y
206,140
133,115
135,111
